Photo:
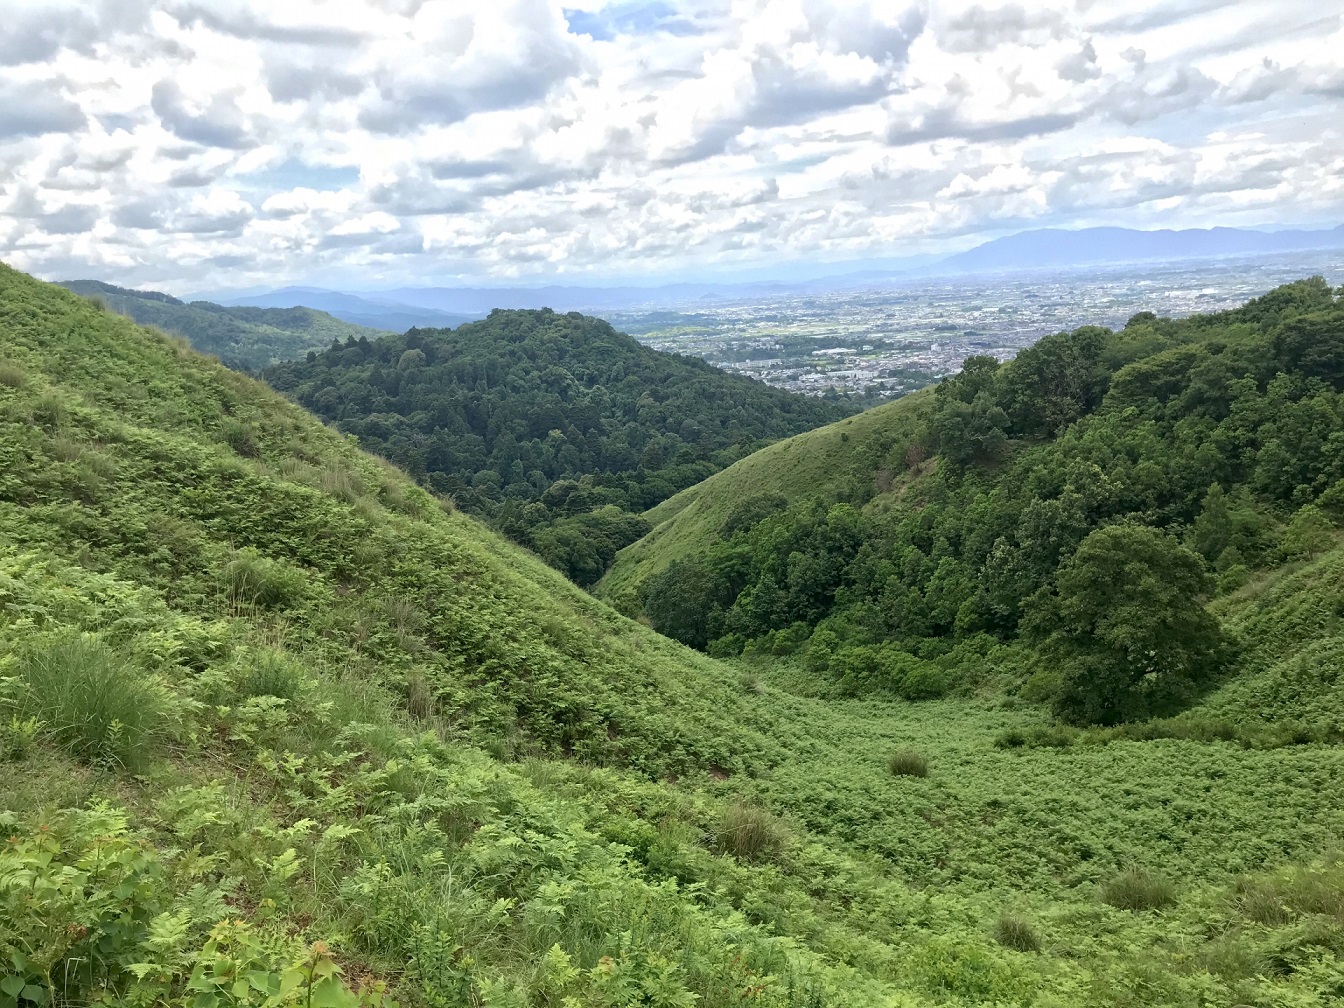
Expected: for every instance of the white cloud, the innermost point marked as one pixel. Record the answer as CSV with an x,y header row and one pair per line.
x,y
187,143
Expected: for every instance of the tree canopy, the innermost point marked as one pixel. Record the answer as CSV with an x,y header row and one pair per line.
x,y
534,418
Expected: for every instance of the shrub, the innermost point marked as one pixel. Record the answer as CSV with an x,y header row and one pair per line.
x,y
253,579
1015,932
1137,889
12,375
1010,738
50,411
908,764
91,701
750,833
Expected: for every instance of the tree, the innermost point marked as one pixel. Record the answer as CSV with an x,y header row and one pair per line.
x,y
1124,627
677,601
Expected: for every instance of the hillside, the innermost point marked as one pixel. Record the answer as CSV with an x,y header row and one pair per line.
x,y
1220,432
851,460
555,427
280,728
245,338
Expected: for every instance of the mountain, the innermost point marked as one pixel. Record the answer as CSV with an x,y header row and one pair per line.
x,y
282,728
1052,248
392,316
246,338
553,426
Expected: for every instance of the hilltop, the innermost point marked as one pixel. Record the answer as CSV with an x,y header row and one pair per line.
x,y
555,427
282,728
243,337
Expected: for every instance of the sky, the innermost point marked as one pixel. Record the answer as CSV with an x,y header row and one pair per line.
x,y
193,144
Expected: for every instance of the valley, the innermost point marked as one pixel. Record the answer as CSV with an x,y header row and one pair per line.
x,y
282,725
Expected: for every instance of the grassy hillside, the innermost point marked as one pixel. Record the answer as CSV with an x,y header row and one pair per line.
x,y
555,427
271,711
854,459
245,338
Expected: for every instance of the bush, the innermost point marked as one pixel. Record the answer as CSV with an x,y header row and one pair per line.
x,y
1010,738
253,579
1015,932
750,833
908,764
1137,889
90,700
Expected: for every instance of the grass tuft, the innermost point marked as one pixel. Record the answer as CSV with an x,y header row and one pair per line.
x,y
908,763
1138,889
90,700
1015,932
750,833
12,375
255,580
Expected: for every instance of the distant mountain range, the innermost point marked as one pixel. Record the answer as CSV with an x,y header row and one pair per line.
x,y
1055,249
392,314
401,308
1030,250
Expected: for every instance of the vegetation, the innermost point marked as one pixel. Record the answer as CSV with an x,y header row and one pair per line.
x,y
1084,501
554,427
247,339
396,760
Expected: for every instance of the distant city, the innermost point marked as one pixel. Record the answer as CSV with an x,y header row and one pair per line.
x,y
907,333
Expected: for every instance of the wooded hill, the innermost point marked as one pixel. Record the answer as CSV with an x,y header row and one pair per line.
x,y
554,427
1016,503
280,728
246,339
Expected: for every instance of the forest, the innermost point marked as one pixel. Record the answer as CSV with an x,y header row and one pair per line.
x,y
554,427
282,727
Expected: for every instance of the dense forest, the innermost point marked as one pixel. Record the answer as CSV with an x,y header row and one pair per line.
x,y
247,339
1080,500
556,428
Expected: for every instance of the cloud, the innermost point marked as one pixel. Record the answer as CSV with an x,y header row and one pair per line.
x,y
35,108
217,142
216,122
980,29
457,61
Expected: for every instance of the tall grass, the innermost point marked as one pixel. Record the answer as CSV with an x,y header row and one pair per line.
x,y
11,374
90,700
1138,889
256,580
908,764
750,833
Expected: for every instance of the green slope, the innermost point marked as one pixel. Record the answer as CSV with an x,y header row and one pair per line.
x,y
854,459
245,338
269,709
